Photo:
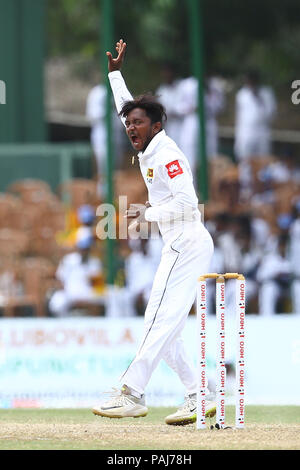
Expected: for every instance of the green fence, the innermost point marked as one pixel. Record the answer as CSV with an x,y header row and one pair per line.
x,y
53,163
22,53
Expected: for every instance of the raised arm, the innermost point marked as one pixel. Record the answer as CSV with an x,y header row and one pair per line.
x,y
117,83
116,64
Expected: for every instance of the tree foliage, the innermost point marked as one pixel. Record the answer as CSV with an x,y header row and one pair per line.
x,y
237,35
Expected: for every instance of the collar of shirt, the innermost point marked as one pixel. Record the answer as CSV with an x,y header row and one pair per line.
x,y
153,144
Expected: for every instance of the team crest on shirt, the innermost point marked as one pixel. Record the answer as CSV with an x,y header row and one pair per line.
x,y
174,169
150,175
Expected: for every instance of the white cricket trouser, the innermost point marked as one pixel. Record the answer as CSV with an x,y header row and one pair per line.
x,y
184,259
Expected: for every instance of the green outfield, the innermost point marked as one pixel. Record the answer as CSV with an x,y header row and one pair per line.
x,y
268,427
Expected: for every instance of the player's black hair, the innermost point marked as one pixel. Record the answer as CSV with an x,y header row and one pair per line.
x,y
154,110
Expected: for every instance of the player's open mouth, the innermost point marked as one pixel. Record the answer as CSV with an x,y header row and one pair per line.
x,y
136,141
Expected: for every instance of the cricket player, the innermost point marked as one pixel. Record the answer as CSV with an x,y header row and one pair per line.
x,y
186,254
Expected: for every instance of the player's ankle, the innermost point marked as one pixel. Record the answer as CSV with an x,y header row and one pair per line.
x,y
130,391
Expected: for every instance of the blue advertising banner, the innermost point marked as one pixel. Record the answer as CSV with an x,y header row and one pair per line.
x,y
72,362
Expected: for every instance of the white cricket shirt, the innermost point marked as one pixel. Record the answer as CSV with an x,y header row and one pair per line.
x,y
167,175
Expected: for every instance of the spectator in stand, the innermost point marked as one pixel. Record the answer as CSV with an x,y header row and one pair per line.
x,y
248,264
284,222
294,233
224,236
275,277
214,103
168,94
235,251
95,113
255,110
86,215
260,229
76,272
83,216
188,106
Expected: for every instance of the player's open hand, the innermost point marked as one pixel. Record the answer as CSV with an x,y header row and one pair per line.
x,y
116,64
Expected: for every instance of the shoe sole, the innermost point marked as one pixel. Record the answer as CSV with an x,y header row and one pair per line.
x,y
99,413
191,419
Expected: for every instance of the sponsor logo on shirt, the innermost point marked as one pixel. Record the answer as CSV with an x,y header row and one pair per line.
x,y
174,169
150,175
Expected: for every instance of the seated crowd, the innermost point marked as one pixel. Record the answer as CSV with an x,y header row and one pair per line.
x,y
53,263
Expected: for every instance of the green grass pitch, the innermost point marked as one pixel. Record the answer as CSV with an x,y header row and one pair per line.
x,y
267,428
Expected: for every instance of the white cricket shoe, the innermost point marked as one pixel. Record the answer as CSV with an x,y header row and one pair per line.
x,y
122,405
187,412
